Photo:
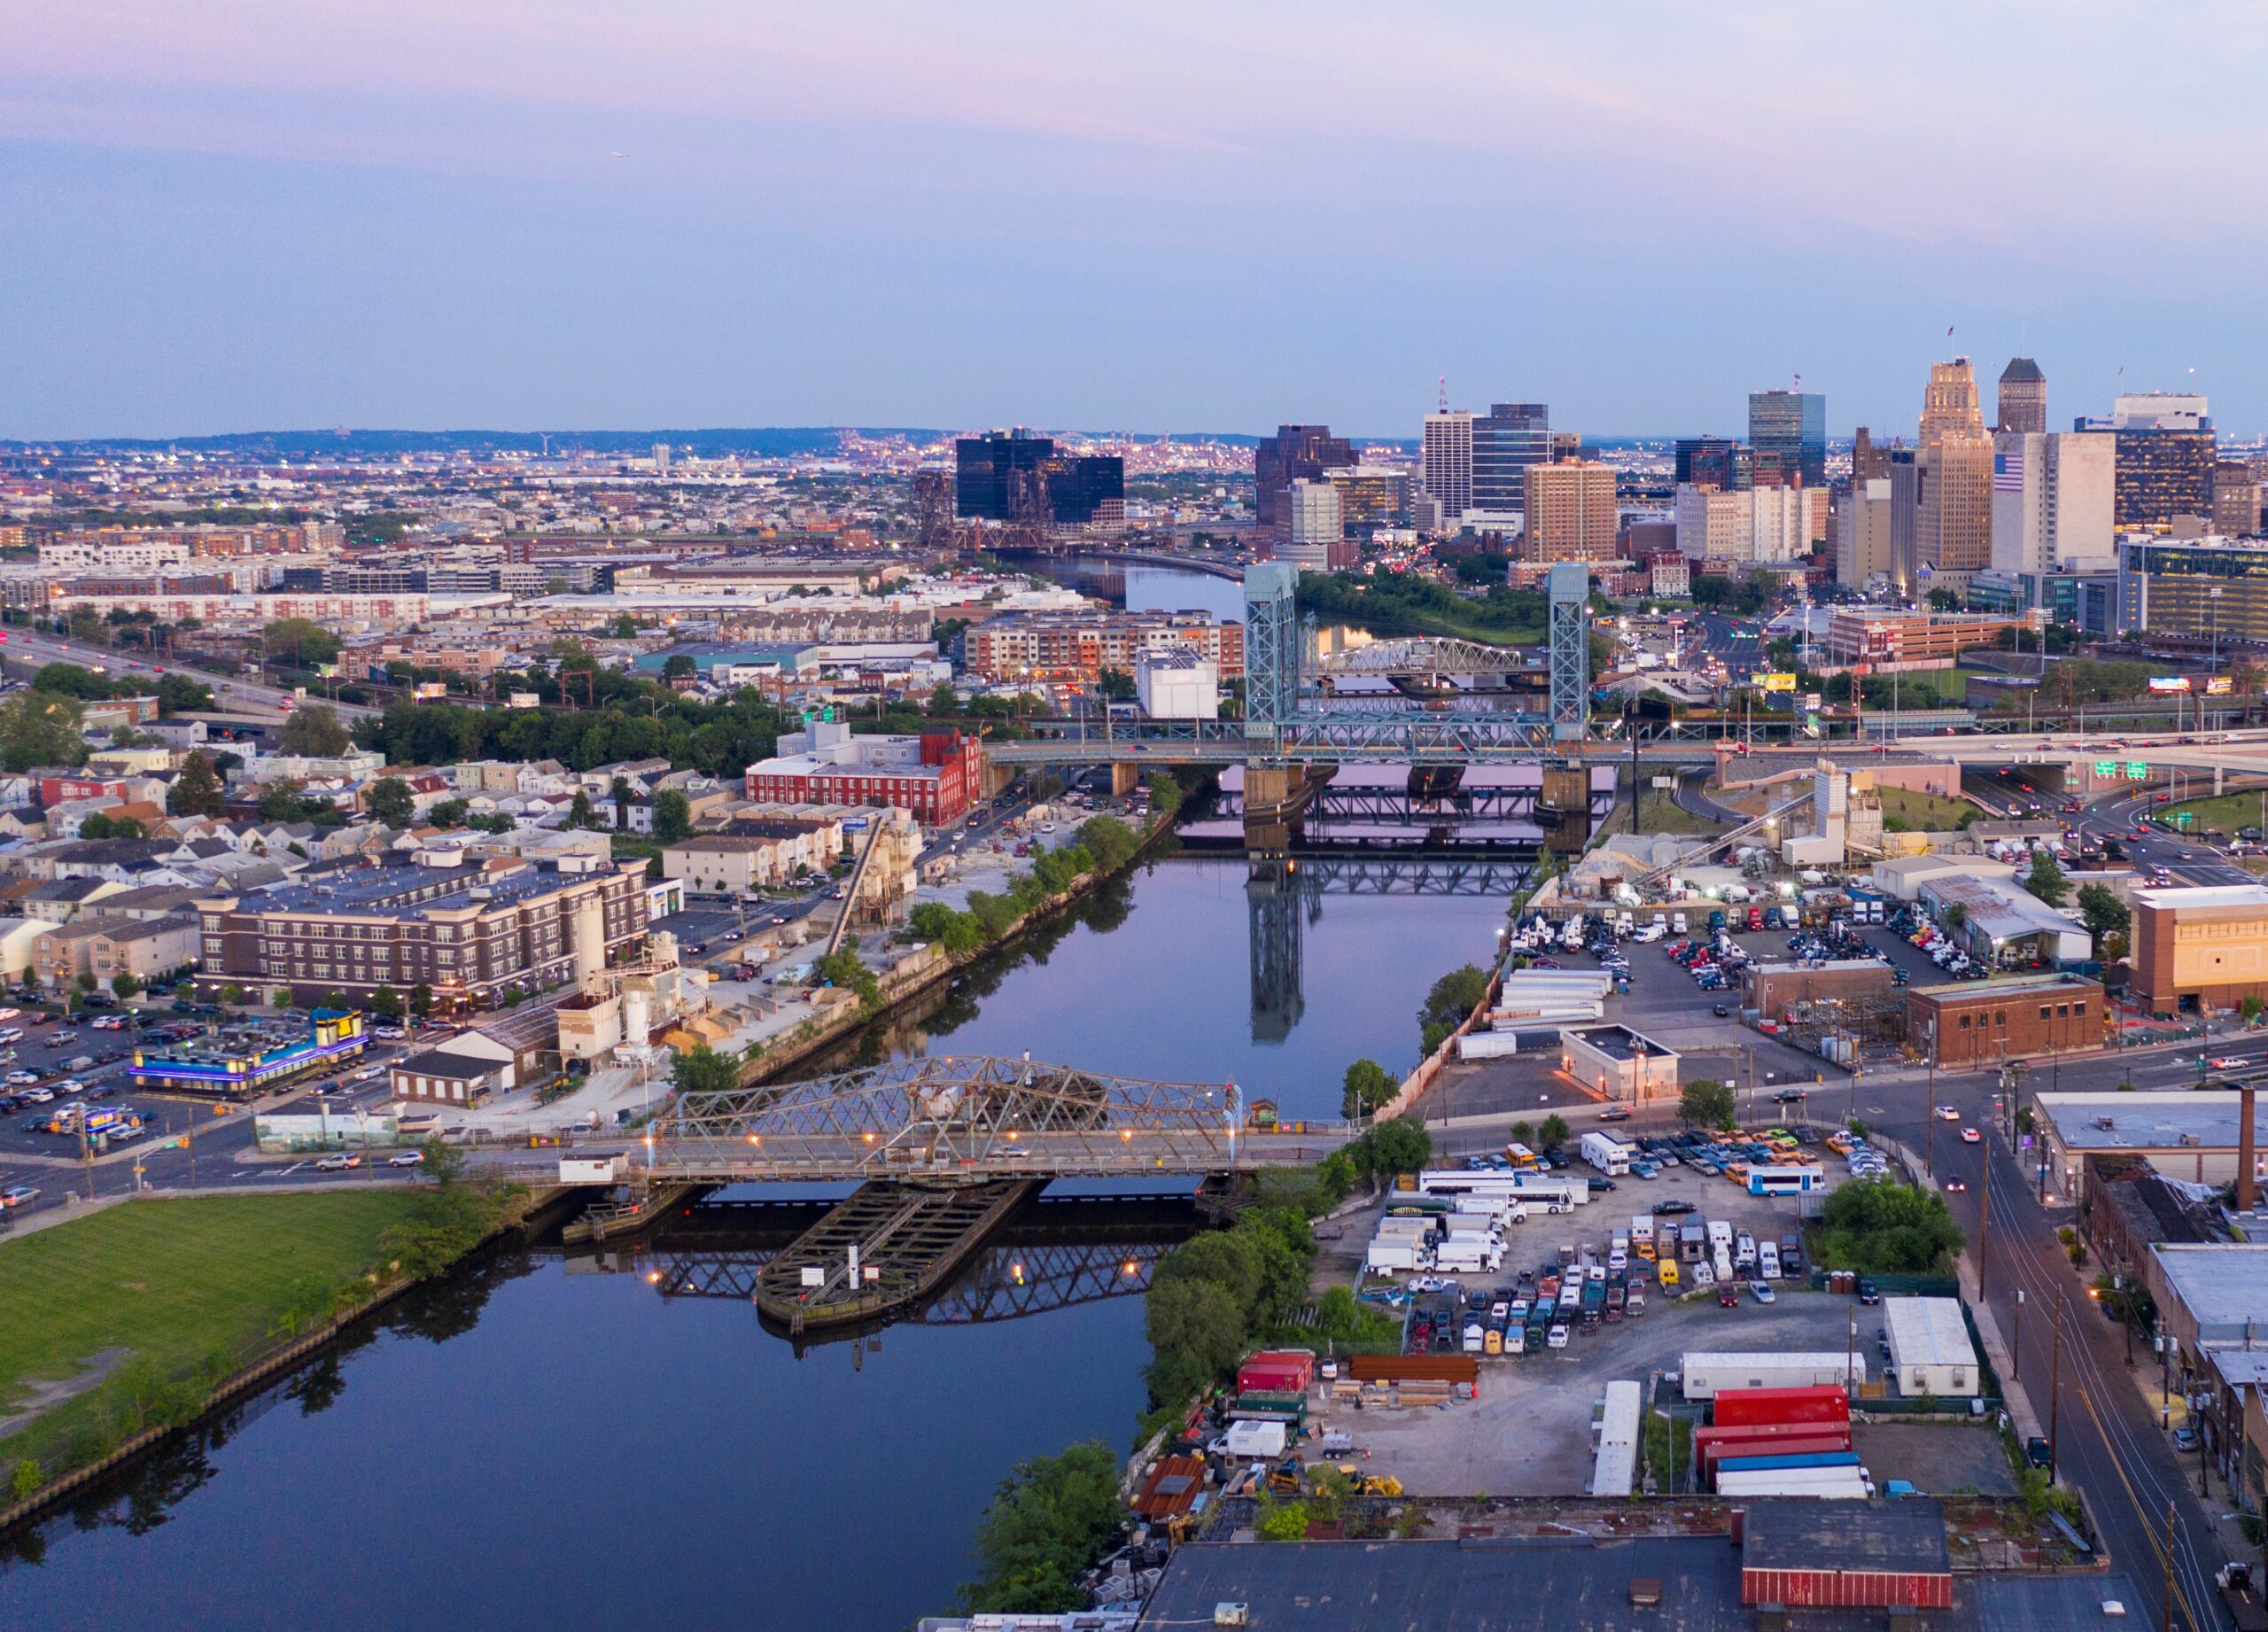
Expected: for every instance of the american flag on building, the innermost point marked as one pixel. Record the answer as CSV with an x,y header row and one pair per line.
x,y
2007,471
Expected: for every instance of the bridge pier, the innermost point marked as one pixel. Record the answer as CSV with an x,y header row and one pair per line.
x,y
1125,777
1276,797
1564,809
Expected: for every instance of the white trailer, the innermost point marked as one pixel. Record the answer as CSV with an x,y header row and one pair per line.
x,y
1617,1463
593,1169
1607,1154
1704,1372
1258,1441
1825,1484
1720,1236
1388,1257
1722,1262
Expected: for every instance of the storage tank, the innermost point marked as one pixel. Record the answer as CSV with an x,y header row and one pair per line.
x,y
590,936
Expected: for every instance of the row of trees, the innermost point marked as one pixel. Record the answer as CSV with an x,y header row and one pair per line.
x,y
1103,844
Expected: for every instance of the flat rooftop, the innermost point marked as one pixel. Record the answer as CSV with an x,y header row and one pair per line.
x,y
2226,1287
1548,1584
2198,896
1618,1042
2011,986
382,890
2177,1120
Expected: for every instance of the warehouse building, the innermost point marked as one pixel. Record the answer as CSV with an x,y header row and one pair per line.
x,y
2185,1134
2021,1017
1618,1064
2206,946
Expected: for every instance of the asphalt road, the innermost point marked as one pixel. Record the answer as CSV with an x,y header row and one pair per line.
x,y
236,696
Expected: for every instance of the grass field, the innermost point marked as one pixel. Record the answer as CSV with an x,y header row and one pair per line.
x,y
1905,809
2225,814
175,1282
1662,815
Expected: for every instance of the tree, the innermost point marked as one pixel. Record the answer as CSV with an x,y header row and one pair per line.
x,y
579,814
421,1000
1399,1146
41,728
87,982
1165,793
618,790
125,983
317,732
177,694
943,699
672,816
1943,601
1707,1101
1892,1228
625,627
448,813
2047,880
1052,1518
678,665
1367,1087
847,970
197,790
1453,996
101,825
389,800
1116,685
2102,913
306,642
386,1002
281,801
1554,1131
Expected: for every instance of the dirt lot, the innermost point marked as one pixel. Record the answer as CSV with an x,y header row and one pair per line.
x,y
1938,1458
1529,1434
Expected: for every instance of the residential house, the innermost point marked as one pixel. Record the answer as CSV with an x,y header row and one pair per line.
x,y
63,900
18,943
148,949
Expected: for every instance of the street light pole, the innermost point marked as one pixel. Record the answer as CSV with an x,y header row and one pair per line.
x,y
2016,1362
2055,1387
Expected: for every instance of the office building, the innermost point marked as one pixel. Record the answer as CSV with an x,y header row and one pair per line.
x,y
1880,636
1571,514
1792,427
1371,496
936,776
1010,475
1315,528
2024,398
1869,460
2160,411
467,931
2163,474
2236,499
1506,440
1862,533
1949,404
1952,523
2197,945
1445,463
2207,589
2053,496
1704,460
1757,527
1177,684
1295,452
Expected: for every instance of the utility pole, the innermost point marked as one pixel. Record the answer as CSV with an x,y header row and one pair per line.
x,y
2016,1361
2055,1387
1984,1232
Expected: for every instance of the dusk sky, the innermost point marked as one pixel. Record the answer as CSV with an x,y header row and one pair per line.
x,y
547,214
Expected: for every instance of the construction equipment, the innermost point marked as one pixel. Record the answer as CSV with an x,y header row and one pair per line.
x,y
1284,1477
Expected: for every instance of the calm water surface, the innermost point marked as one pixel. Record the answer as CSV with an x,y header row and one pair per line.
x,y
526,1447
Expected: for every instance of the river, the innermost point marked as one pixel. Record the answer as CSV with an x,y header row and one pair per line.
x,y
529,1445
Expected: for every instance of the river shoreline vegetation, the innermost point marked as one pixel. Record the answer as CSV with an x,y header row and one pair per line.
x,y
1102,845
1211,1300
135,1318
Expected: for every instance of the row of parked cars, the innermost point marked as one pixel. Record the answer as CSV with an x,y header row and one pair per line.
x,y
1942,949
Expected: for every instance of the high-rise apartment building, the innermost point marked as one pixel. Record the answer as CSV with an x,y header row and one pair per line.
x,y
2236,499
1571,511
1506,440
1295,452
1445,463
2024,398
1862,533
1949,405
1790,425
1757,527
1315,527
2164,473
993,474
2052,499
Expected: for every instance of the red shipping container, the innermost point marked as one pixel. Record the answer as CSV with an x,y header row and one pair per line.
x,y
1776,1447
1767,1432
1281,1371
1737,1406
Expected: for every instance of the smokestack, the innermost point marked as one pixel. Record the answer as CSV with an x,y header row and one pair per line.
x,y
2244,1186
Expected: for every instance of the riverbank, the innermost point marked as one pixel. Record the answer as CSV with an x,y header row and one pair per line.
x,y
912,977
123,1326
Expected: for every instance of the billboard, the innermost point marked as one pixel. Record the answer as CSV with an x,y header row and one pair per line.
x,y
2177,682
2219,686
1776,683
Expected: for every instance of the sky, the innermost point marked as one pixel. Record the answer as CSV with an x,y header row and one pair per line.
x,y
254,215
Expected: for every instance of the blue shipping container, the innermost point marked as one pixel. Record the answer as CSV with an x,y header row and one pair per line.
x,y
1774,1465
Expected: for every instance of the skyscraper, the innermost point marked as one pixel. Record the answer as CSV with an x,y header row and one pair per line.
x,y
2023,397
1790,425
994,472
1862,532
1949,405
1704,461
1571,512
2052,502
1295,452
1953,526
1506,440
1445,463
1869,460
1316,526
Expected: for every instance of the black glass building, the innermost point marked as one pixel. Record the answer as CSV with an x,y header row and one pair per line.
x,y
1295,452
985,471
2163,474
1506,440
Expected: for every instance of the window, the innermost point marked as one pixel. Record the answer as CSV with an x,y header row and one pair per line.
x,y
2000,1018
2043,1011
1965,1023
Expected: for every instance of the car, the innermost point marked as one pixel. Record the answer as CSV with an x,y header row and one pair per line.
x,y
1946,1113
19,1195
1790,1096
1761,1291
2036,1452
1956,1184
1720,1010
1557,1337
41,1096
20,1079
1673,1208
1615,1112
338,1163
2230,1062
1727,1296
1970,1135
407,1159
1869,1292
1598,1184
2185,1438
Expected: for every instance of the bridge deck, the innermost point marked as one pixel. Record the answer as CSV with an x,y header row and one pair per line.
x,y
907,1238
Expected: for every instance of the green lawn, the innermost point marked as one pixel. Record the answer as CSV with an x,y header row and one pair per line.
x,y
1905,809
175,1282
1662,814
2225,814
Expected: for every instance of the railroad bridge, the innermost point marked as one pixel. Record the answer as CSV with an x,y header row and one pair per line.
x,y
946,1151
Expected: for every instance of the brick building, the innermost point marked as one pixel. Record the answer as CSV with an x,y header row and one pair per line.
x,y
2200,945
1079,646
936,776
1982,1023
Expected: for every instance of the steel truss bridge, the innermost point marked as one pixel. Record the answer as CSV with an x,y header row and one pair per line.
x,y
968,1118
1427,655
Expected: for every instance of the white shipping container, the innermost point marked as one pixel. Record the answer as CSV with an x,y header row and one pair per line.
x,y
1702,1373
1827,1484
592,1169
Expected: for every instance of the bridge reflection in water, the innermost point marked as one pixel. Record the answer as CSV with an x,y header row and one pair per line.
x,y
1056,1252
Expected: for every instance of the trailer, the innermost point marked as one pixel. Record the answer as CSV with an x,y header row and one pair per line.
x,y
1615,1468
1704,1374
1790,1460
1604,1152
1758,1405
1259,1441
1850,1484
1276,1370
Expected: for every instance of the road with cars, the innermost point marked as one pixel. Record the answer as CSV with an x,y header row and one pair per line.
x,y
238,696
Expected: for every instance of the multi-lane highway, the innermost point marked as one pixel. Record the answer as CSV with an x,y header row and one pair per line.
x,y
234,696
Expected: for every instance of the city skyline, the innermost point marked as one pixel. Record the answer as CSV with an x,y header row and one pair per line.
x,y
269,215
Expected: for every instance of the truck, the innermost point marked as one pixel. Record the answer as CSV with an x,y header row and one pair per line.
x,y
1610,1155
1594,1303
1722,1262
1389,1257
1720,1235
1768,1260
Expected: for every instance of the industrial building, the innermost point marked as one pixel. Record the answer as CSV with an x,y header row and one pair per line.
x,y
1988,1022
2193,1135
2002,924
1618,1064
2202,946
1772,989
1930,1349
936,776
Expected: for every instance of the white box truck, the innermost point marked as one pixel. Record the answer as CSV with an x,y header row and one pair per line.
x,y
1607,1154
1720,1236
1388,1257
